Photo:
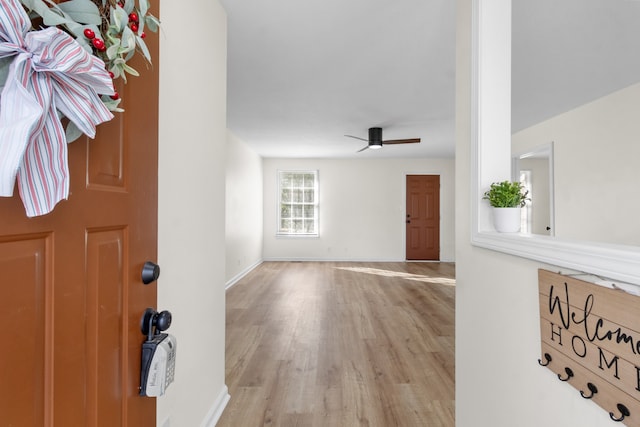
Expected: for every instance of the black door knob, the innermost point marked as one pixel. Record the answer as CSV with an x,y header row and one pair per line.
x,y
150,272
153,322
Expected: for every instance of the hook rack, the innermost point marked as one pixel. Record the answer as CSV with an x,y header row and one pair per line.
x,y
588,339
593,389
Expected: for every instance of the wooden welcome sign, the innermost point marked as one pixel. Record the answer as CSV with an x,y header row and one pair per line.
x,y
591,339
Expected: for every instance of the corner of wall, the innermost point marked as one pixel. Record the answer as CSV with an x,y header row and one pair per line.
x,y
214,414
235,279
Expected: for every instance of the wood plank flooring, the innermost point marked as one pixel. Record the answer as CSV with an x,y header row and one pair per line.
x,y
341,344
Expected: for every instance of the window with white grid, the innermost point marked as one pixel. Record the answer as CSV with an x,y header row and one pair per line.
x,y
298,203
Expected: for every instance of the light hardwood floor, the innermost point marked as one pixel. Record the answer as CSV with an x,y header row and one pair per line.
x,y
341,344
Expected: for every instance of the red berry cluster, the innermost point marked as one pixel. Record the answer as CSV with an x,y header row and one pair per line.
x,y
134,23
98,43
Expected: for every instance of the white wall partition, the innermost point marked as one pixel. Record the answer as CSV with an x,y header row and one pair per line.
x,y
498,380
191,235
362,209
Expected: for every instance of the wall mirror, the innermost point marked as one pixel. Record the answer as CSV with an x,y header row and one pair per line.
x,y
570,62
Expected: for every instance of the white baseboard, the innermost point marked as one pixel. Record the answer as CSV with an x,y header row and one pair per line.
x,y
347,260
276,259
215,412
240,275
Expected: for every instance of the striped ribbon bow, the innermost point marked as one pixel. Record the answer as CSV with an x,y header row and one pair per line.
x,y
50,72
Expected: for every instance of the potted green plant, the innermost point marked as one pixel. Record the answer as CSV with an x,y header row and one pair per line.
x,y
507,198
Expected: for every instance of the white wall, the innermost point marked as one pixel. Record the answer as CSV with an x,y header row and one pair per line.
x,y
362,209
498,380
191,249
596,153
243,209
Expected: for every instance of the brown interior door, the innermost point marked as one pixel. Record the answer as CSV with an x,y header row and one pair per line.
x,y
423,217
71,296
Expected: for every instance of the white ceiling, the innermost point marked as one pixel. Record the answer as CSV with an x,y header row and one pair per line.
x,y
301,75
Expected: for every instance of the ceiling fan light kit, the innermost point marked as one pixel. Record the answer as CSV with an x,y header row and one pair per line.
x,y
375,140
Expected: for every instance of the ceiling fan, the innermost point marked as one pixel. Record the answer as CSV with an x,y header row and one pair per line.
x,y
375,140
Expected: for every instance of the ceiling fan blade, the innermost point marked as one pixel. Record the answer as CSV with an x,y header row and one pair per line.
x,y
401,141
362,149
357,137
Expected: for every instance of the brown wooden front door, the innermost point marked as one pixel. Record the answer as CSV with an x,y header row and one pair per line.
x,y
71,296
423,217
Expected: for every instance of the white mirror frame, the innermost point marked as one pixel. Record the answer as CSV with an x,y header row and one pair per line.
x,y
491,158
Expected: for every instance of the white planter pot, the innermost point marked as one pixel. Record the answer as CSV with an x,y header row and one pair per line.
x,y
506,220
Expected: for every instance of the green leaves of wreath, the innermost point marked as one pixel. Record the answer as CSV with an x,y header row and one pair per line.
x,y
116,29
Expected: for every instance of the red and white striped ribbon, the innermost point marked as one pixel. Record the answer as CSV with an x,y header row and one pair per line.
x,y
50,72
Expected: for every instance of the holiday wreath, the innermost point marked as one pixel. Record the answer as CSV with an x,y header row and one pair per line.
x,y
59,59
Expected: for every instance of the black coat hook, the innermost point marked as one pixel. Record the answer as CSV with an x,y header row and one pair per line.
x,y
547,358
569,374
624,411
592,388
